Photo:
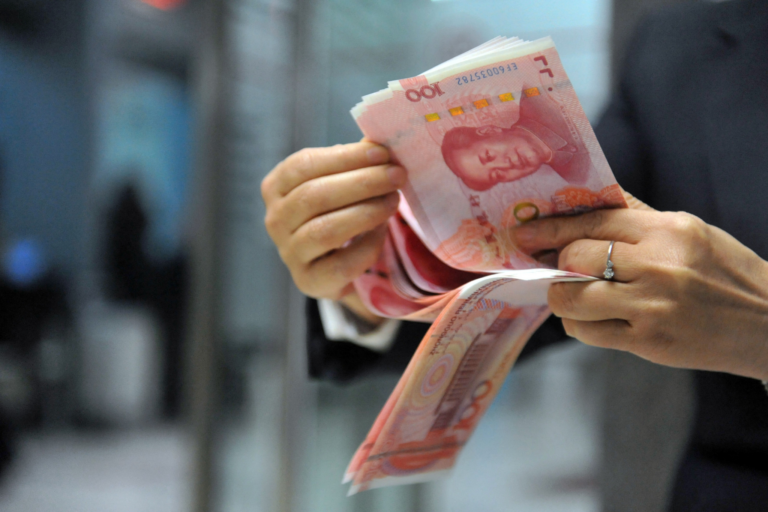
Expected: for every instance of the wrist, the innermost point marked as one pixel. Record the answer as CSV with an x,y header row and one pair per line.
x,y
746,354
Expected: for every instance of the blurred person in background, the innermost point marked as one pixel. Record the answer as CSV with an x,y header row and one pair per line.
x,y
133,277
685,132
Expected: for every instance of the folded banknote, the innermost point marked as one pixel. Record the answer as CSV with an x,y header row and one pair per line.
x,y
490,139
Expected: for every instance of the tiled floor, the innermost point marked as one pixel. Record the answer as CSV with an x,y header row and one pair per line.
x,y
121,471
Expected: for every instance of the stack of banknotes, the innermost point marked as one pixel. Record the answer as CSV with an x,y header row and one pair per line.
x,y
490,139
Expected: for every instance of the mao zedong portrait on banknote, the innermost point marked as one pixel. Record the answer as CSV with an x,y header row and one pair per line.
x,y
482,157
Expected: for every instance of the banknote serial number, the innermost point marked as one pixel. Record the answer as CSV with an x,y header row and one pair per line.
x,y
485,73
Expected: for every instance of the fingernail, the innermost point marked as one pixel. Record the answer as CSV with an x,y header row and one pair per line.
x,y
396,175
377,155
393,200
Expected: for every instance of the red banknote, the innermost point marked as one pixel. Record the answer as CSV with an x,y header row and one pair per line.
x,y
491,139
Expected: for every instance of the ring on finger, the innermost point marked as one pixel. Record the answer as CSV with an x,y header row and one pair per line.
x,y
608,273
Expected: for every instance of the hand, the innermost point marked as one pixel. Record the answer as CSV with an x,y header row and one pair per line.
x,y
327,210
685,293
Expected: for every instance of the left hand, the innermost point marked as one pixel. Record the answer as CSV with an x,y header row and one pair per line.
x,y
685,293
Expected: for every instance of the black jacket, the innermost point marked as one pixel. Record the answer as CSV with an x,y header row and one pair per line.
x,y
687,130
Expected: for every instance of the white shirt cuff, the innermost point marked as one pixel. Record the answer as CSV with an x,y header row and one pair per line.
x,y
338,327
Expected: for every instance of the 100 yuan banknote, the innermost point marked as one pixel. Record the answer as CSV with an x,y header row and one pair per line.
x,y
490,140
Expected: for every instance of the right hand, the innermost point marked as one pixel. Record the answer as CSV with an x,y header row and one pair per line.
x,y
317,200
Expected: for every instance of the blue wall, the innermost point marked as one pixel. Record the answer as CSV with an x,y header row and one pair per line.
x,y
43,134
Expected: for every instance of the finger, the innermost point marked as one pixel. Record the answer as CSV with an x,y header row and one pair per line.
x,y
635,203
329,193
332,275
613,334
311,163
332,230
590,257
623,224
590,301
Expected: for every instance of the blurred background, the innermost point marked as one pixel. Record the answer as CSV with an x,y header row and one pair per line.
x,y
151,342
